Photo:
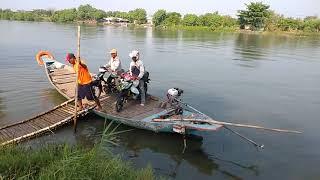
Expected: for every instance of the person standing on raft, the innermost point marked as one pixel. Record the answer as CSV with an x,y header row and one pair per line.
x,y
85,89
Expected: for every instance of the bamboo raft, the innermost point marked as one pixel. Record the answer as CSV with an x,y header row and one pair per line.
x,y
39,124
63,81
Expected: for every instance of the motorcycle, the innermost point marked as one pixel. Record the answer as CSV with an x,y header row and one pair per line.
x,y
100,84
129,88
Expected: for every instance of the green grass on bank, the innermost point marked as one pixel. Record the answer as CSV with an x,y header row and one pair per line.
x,y
68,162
65,162
198,28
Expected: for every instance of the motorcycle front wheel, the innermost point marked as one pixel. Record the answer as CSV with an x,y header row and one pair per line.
x,y
120,102
97,91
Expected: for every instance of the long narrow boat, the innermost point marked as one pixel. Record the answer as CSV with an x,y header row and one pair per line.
x,y
150,117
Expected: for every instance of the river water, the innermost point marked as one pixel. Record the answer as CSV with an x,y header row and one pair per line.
x,y
268,80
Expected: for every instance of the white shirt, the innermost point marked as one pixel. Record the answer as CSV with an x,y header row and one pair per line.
x,y
114,64
139,65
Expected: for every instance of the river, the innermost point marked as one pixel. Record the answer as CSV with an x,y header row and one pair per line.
x,y
268,80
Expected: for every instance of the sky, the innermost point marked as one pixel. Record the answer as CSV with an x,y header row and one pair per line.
x,y
289,8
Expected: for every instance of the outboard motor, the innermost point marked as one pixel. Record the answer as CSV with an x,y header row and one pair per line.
x,y
173,97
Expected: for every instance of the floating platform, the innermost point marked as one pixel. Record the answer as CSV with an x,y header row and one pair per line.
x,y
39,124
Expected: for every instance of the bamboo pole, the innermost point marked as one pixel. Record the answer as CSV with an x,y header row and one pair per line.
x,y
211,121
76,88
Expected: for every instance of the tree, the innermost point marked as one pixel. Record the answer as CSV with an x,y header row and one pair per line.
x,y
99,14
6,14
289,24
190,20
310,18
255,15
311,25
110,13
271,23
159,17
123,15
172,19
85,12
139,15
66,15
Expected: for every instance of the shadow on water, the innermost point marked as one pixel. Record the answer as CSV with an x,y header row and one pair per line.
x,y
136,142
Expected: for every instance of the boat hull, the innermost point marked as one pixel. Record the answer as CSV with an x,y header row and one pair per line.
x,y
62,76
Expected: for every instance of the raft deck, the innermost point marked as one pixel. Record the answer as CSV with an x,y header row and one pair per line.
x,y
39,124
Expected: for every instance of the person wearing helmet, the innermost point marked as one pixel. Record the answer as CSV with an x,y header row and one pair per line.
x,y
137,69
84,81
114,65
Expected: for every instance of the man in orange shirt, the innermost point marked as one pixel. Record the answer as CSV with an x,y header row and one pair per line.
x,y
84,81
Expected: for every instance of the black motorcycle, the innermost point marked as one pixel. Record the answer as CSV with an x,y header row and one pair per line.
x,y
129,88
100,84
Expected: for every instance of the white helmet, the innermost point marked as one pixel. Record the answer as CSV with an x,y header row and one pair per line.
x,y
134,53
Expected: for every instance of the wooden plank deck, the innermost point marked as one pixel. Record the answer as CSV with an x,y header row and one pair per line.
x,y
64,81
131,110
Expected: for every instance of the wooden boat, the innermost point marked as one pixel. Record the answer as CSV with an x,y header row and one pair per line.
x,y
150,117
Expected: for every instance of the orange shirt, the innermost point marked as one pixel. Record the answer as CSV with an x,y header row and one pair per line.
x,y
84,76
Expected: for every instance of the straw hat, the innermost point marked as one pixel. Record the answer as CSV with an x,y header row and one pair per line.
x,y
113,51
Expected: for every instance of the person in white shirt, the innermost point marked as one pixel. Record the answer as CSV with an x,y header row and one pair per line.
x,y
114,65
137,69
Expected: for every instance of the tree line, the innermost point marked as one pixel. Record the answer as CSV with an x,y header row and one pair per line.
x,y
257,17
82,13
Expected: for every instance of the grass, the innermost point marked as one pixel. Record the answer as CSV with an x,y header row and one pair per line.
x,y
198,28
67,162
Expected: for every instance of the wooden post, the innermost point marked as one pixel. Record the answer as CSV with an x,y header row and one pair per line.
x,y
76,86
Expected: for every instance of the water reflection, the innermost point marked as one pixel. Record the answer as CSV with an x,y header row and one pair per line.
x,y
91,31
160,34
54,96
2,107
138,141
249,47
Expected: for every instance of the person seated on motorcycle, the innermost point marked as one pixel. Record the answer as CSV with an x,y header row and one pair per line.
x,y
84,81
137,69
114,65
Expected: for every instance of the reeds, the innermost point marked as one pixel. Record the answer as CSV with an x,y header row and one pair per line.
x,y
67,162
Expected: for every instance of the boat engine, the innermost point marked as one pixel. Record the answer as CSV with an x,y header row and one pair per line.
x,y
173,100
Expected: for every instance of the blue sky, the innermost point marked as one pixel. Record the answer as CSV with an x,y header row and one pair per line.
x,y
292,8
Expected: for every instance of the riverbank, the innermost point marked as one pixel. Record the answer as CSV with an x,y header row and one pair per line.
x,y
233,29
65,162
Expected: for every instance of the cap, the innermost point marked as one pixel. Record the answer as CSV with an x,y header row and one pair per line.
x,y
70,56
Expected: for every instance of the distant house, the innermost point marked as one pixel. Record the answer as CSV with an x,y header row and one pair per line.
x,y
108,20
149,21
121,20
115,20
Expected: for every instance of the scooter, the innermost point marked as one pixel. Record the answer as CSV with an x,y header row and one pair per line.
x,y
100,84
129,88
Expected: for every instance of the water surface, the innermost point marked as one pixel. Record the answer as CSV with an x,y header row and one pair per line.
x,y
267,80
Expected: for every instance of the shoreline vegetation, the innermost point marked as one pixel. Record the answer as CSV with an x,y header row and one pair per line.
x,y
65,162
62,161
257,17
